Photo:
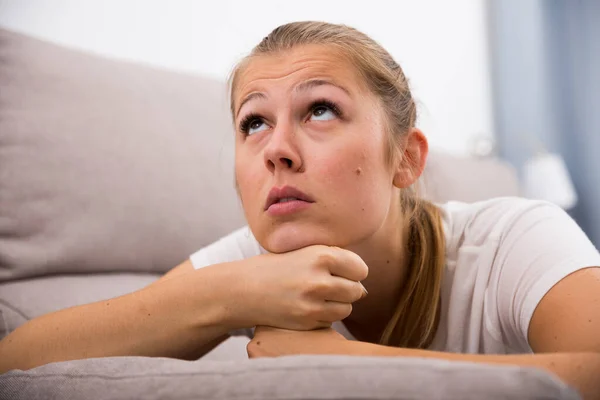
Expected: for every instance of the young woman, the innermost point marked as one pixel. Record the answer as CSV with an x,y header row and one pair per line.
x,y
327,156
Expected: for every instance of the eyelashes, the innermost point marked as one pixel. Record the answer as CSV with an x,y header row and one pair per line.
x,y
324,103
248,120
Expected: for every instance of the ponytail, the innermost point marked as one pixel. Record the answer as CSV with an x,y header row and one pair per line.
x,y
415,319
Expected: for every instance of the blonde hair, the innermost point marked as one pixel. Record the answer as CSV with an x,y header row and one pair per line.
x,y
415,318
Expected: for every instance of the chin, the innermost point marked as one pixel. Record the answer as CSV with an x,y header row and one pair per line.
x,y
290,237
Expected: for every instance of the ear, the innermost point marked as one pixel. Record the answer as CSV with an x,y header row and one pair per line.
x,y
411,161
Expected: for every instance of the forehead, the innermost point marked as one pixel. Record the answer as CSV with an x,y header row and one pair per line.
x,y
287,68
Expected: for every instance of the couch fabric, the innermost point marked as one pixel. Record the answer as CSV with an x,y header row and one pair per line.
x,y
110,174
107,166
297,377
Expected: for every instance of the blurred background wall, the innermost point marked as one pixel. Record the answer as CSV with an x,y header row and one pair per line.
x,y
441,45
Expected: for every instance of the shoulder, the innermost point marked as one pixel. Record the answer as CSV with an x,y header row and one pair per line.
x,y
503,255
473,223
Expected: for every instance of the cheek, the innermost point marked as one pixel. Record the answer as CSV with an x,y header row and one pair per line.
x,y
356,179
247,178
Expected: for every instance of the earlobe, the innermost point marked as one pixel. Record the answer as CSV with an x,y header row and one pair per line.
x,y
403,178
412,160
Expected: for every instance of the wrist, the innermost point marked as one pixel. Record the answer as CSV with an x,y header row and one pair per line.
x,y
236,290
226,292
193,301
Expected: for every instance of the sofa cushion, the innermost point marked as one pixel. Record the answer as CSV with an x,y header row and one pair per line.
x,y
225,373
107,165
295,377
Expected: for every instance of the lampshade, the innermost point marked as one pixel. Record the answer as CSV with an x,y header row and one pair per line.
x,y
546,178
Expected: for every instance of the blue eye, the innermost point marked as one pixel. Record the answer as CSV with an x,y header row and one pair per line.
x,y
323,113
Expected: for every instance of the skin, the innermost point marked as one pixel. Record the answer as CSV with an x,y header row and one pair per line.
x,y
339,162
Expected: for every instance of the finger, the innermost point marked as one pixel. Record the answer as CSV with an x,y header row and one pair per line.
x,y
344,290
322,324
254,350
346,264
335,311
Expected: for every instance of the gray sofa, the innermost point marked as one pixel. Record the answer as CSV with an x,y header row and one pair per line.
x,y
112,173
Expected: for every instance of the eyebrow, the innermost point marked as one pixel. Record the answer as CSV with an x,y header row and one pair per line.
x,y
302,87
251,96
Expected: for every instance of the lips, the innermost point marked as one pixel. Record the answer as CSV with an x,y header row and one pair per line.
x,y
286,193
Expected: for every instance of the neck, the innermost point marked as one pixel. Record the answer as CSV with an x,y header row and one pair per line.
x,y
384,254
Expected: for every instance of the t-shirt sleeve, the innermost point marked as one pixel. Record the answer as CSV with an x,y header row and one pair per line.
x,y
539,245
238,245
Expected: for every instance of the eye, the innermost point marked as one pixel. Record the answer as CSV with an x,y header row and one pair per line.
x,y
252,124
255,126
324,111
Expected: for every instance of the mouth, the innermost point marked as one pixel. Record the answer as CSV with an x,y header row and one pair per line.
x,y
286,194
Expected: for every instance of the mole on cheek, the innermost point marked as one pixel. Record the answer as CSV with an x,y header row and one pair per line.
x,y
358,171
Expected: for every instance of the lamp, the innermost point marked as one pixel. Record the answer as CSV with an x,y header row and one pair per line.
x,y
546,178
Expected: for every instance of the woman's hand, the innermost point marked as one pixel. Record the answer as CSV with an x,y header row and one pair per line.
x,y
303,289
274,342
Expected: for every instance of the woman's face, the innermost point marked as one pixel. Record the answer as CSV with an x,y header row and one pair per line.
x,y
310,146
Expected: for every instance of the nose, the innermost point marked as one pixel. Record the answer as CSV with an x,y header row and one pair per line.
x,y
282,153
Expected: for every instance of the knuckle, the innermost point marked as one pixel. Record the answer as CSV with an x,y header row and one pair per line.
x,y
316,287
310,311
325,257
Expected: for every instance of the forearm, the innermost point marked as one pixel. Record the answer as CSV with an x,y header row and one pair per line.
x,y
178,317
579,370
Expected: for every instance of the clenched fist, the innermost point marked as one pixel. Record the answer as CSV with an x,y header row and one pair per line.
x,y
303,289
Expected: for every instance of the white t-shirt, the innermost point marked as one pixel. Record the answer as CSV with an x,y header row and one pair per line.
x,y
503,255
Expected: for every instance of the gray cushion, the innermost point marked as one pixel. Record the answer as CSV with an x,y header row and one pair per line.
x,y
107,165
296,377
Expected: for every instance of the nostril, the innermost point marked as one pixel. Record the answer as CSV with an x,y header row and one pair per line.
x,y
287,161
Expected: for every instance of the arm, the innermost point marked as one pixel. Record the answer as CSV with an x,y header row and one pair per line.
x,y
563,332
182,316
188,311
579,370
